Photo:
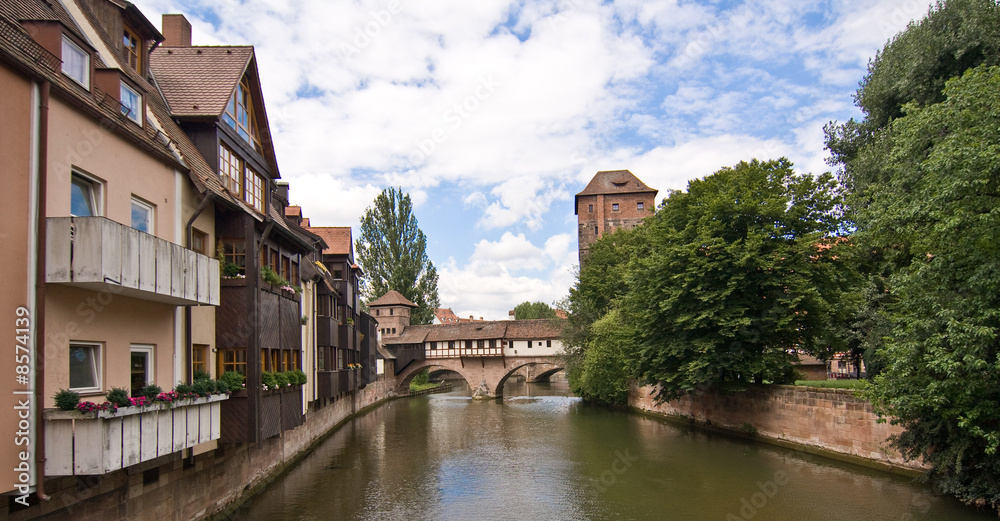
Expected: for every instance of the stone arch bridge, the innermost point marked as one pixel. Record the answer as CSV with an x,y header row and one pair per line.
x,y
486,375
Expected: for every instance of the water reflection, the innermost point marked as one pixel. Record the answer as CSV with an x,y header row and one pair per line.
x,y
542,454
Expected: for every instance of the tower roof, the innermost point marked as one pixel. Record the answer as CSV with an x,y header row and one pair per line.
x,y
614,182
392,298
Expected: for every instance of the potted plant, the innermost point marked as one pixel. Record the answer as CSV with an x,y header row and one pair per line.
x,y
67,400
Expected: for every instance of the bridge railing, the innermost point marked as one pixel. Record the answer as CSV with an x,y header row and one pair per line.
x,y
464,352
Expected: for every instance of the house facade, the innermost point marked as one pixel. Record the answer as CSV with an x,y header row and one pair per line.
x,y
614,199
106,276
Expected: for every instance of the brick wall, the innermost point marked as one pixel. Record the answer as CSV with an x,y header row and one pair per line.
x,y
206,486
828,421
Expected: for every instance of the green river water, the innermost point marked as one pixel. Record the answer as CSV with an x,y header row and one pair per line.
x,y
541,454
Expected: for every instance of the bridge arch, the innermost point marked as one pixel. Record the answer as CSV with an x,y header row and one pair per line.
x,y
485,375
549,369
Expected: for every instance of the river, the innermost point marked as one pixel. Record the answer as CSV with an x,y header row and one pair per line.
x,y
541,454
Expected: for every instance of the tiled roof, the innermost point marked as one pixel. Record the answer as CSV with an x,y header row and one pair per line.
x,y
392,298
482,330
446,315
35,10
293,211
337,238
615,182
532,329
198,81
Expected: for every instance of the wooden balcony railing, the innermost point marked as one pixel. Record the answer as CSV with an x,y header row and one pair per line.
x,y
96,443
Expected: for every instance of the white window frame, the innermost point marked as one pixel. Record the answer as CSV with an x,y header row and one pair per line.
x,y
152,214
69,49
134,115
150,361
96,192
614,207
98,366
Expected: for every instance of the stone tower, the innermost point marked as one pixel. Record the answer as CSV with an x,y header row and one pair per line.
x,y
392,311
612,200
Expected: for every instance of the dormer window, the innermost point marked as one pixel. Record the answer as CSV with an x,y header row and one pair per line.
x,y
131,103
132,50
239,115
75,62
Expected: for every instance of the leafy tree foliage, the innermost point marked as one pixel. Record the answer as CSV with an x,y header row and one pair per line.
x,y
720,288
955,36
940,205
392,254
531,310
741,273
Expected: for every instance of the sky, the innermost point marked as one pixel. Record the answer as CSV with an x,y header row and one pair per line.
x,y
493,114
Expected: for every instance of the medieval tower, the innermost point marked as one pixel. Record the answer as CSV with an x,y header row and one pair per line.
x,y
612,200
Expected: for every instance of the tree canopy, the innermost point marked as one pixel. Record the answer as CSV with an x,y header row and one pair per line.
x,y
392,254
531,310
720,288
940,202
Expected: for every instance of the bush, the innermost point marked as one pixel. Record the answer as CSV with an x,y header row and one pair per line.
x,y
201,375
267,379
119,397
233,380
151,391
203,387
297,377
422,378
67,400
183,389
281,379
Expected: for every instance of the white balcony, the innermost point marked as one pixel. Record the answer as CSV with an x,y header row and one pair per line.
x,y
99,254
96,443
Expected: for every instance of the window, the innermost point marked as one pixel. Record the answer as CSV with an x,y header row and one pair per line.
x,y
529,344
75,62
286,268
85,367
142,215
338,274
548,343
493,343
131,103
451,344
84,195
590,208
638,206
481,344
468,344
199,241
141,366
230,168
239,114
340,359
253,191
295,274
614,207
391,311
232,360
198,358
595,230
132,50
234,251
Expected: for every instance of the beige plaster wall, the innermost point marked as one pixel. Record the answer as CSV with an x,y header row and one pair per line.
x,y
116,322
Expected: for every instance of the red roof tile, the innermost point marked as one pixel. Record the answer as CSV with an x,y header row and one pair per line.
x,y
337,238
198,81
392,298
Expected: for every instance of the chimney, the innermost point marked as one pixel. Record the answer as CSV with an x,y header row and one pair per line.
x,y
176,31
281,192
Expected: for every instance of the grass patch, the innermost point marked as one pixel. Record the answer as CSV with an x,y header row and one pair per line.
x,y
424,386
833,384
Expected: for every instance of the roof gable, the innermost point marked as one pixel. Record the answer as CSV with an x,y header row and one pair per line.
x,y
392,298
337,238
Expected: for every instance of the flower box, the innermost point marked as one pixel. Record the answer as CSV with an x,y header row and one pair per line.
x,y
99,442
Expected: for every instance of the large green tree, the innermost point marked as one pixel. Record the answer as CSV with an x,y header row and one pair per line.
x,y
939,201
743,271
392,254
533,310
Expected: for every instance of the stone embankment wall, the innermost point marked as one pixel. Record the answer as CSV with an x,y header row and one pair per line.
x,y
205,486
832,422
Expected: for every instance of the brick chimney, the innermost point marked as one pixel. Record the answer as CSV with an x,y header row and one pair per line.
x,y
176,31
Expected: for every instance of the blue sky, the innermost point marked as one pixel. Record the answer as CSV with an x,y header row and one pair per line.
x,y
492,114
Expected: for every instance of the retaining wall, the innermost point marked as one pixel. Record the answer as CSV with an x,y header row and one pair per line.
x,y
832,422
206,486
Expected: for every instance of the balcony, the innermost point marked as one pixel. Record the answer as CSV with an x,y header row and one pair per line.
x,y
326,331
99,254
89,444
